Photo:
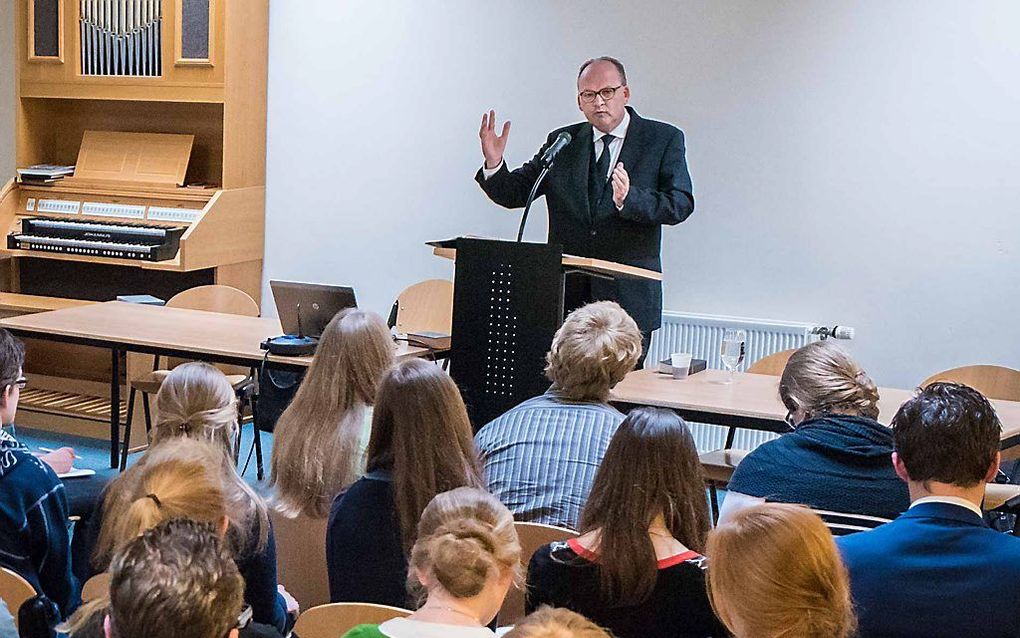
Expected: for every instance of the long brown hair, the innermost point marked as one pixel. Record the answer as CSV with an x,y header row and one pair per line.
x,y
421,433
651,467
180,478
775,573
822,378
318,440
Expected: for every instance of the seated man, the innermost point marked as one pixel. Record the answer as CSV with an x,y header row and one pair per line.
x,y
540,457
34,540
176,580
938,570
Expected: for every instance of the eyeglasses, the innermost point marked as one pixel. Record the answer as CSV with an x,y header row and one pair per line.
x,y
606,94
789,420
20,383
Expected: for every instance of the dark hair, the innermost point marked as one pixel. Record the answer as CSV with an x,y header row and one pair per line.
x,y
176,580
421,433
609,59
947,432
651,467
12,358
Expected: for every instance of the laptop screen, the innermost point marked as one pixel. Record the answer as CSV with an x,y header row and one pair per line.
x,y
306,308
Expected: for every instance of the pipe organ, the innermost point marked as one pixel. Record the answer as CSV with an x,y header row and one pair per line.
x,y
121,37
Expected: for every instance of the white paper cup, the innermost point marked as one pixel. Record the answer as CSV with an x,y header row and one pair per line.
x,y
681,364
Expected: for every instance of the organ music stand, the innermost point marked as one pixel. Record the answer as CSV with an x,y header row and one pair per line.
x,y
507,305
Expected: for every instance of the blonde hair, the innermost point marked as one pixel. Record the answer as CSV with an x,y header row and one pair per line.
x,y
775,573
465,538
318,443
179,478
552,622
821,378
593,350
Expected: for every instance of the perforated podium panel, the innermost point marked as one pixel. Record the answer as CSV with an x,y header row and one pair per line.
x,y
507,305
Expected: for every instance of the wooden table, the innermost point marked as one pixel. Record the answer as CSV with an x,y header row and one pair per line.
x,y
752,401
158,330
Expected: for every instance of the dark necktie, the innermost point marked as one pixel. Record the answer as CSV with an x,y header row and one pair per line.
x,y
597,179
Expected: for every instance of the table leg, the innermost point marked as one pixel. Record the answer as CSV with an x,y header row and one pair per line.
x,y
114,408
730,434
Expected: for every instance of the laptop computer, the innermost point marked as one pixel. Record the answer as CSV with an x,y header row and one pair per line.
x,y
306,308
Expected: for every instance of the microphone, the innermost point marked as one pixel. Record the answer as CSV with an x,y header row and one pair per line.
x,y
550,153
836,332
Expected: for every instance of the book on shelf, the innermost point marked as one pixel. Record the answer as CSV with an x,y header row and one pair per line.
x,y
44,173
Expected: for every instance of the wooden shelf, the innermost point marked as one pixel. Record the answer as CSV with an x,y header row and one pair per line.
x,y
124,89
16,303
79,406
170,264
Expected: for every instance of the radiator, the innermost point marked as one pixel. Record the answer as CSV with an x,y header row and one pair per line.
x,y
701,335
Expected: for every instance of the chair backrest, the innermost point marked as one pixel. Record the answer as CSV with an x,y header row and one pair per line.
x,y
532,536
773,364
215,298
842,523
95,587
995,382
426,306
14,590
301,557
336,619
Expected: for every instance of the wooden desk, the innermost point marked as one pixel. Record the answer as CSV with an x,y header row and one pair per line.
x,y
158,330
752,401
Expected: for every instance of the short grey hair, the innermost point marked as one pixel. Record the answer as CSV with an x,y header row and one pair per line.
x,y
609,59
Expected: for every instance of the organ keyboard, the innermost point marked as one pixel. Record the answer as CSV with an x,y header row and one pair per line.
x,y
101,239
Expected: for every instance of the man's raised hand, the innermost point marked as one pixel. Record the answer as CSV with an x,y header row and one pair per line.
x,y
492,144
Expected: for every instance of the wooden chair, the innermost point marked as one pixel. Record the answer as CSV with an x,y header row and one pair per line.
x,y
532,536
213,298
95,587
301,557
773,364
14,590
995,382
718,467
336,619
425,306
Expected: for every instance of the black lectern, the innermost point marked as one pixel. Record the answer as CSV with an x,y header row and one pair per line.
x,y
507,305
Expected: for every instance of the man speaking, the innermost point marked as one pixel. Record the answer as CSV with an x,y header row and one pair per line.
x,y
608,194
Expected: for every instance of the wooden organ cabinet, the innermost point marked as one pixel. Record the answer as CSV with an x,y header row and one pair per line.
x,y
161,105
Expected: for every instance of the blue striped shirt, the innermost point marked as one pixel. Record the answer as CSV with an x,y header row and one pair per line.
x,y
540,458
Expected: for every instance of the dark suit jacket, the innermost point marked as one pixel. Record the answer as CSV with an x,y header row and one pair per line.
x,y
660,193
937,570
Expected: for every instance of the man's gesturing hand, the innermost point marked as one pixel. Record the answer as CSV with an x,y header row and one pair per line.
x,y
621,185
492,144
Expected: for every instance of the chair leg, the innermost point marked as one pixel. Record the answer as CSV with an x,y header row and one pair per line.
x,y
127,429
148,413
713,494
259,469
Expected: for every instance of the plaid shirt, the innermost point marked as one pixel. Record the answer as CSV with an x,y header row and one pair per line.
x,y
540,458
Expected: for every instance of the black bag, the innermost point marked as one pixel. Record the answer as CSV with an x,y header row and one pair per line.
x,y
277,388
38,618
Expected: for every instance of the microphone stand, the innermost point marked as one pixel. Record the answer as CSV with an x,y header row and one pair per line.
x,y
531,198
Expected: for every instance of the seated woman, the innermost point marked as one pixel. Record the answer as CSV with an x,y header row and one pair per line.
x,y
197,402
463,562
550,622
838,457
775,573
319,442
421,446
636,569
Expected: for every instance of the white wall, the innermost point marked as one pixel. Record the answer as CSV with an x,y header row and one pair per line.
x,y
7,149
852,162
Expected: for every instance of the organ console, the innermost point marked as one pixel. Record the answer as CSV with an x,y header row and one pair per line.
x,y
169,184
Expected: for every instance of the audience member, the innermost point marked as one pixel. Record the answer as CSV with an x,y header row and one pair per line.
x,y
636,569
197,402
175,581
550,622
938,570
319,442
463,562
420,446
540,457
837,457
34,540
775,573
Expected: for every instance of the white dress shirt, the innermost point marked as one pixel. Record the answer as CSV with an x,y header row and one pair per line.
x,y
951,500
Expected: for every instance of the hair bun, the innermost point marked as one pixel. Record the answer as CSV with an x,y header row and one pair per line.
x,y
463,556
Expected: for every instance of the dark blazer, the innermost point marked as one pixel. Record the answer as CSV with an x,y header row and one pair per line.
x,y
660,193
935,571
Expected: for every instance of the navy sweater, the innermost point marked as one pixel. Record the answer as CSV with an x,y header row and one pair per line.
x,y
834,462
34,541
